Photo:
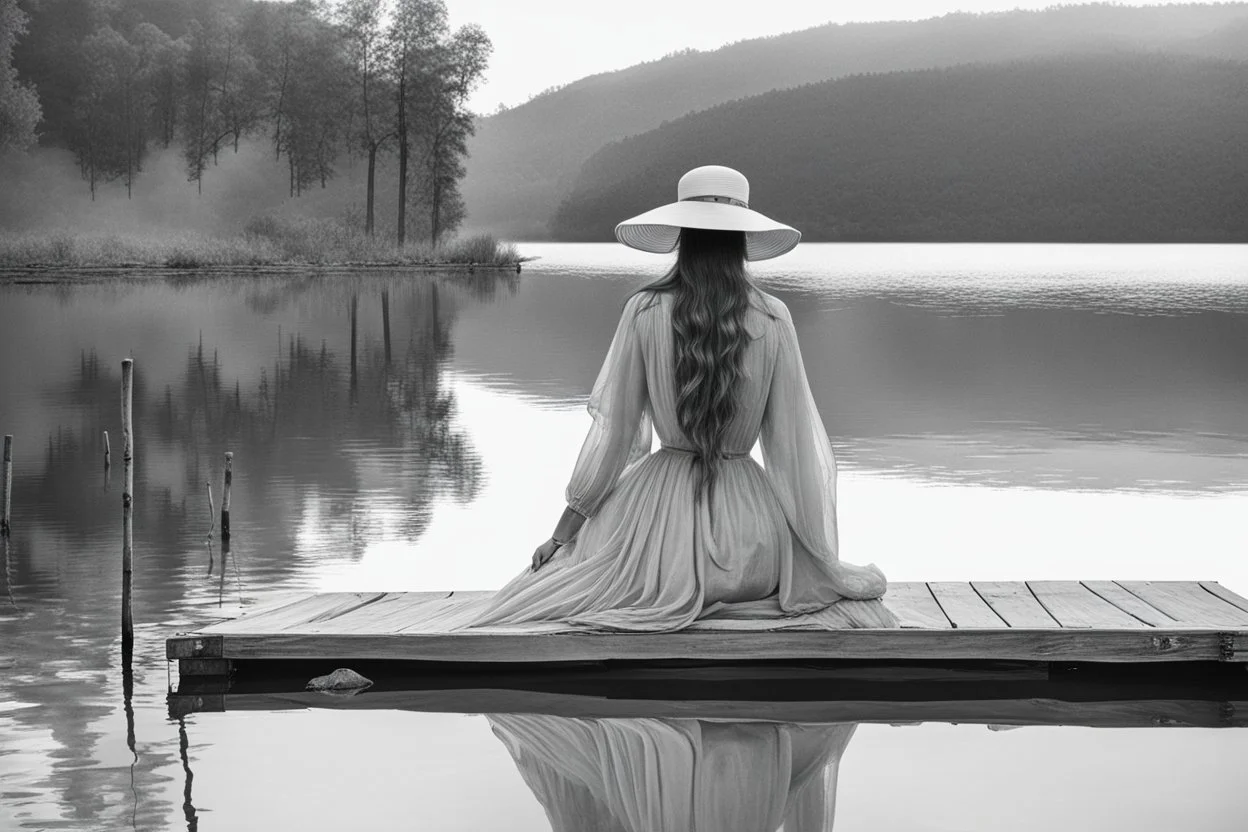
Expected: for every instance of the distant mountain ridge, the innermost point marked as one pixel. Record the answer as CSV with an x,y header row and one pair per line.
x,y
1077,148
524,161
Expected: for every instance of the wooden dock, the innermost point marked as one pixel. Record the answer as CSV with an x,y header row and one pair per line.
x,y
997,694
1035,621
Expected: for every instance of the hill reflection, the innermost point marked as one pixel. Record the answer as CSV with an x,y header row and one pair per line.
x,y
966,378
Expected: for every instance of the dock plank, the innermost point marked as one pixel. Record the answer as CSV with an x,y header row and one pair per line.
x,y
965,609
1225,594
1076,607
1003,643
1188,602
1132,605
388,614
444,614
313,608
1014,602
915,606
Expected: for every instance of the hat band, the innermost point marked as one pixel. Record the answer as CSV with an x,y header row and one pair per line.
x,y
725,199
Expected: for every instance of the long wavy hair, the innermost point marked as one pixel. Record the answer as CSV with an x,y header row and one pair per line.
x,y
711,292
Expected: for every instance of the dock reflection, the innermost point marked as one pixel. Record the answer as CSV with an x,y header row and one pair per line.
x,y
678,775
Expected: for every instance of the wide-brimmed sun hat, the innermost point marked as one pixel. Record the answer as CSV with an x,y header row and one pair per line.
x,y
714,197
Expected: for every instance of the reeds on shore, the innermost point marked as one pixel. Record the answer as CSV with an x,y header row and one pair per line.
x,y
265,241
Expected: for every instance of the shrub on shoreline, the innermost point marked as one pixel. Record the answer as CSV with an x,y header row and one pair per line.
x,y
266,241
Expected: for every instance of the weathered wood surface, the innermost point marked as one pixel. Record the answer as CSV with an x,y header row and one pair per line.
x,y
916,607
1016,605
1133,606
1093,621
1188,603
1075,606
1226,595
965,608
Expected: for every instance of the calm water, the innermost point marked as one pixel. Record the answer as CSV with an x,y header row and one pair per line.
x,y
1001,412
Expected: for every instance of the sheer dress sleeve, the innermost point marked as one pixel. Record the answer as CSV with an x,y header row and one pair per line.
x,y
619,405
802,469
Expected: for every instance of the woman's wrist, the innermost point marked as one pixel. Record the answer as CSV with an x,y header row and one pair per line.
x,y
567,527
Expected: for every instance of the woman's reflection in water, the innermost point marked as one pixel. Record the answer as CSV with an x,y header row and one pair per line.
x,y
678,775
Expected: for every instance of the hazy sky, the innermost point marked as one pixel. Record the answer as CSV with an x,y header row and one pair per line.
x,y
543,43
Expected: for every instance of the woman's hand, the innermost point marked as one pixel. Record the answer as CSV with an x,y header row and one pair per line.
x,y
544,553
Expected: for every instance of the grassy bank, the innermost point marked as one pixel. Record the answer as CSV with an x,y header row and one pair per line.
x,y
267,241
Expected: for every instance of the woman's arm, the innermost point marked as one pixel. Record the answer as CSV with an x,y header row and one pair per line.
x,y
569,524
620,426
620,433
800,464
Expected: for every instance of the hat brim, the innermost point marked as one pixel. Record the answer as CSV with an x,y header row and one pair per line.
x,y
658,230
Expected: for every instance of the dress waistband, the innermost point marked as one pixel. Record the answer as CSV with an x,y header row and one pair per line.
x,y
692,452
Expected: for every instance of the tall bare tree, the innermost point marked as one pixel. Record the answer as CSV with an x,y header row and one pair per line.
x,y
107,141
372,120
416,30
448,123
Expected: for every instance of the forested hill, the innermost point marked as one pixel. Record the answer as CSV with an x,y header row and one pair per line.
x,y
1103,148
523,161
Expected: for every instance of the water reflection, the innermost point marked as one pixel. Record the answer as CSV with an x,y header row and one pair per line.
x,y
1002,413
1057,367
330,428
677,775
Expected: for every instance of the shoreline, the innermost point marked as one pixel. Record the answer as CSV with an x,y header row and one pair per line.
x,y
357,266
12,273
269,245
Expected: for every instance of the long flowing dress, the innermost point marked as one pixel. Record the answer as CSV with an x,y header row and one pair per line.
x,y
678,775
652,557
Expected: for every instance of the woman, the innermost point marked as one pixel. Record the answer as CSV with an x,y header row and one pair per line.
x,y
655,541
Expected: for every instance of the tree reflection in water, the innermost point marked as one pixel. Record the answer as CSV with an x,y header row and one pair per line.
x,y
678,775
308,426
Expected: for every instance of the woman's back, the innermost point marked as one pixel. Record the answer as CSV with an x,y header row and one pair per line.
x,y
657,336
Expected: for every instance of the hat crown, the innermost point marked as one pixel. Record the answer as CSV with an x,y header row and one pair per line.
x,y
714,180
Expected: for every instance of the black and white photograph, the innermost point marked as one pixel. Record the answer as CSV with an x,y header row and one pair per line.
x,y
650,416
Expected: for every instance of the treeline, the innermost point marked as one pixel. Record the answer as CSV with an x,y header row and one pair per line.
x,y
115,78
1109,148
524,160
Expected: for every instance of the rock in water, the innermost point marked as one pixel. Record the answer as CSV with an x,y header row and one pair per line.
x,y
343,682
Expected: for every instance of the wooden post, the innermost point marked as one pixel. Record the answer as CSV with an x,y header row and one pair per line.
x,y
6,497
127,501
108,451
225,498
212,512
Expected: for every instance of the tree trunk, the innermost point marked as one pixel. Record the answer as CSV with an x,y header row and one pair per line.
x,y
401,233
372,172
435,213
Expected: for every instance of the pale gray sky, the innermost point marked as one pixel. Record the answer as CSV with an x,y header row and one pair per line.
x,y
543,43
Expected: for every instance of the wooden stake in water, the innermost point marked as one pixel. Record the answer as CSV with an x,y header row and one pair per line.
x,y
6,497
127,500
108,451
225,498
212,512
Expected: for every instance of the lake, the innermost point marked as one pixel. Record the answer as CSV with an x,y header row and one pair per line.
x,y
1000,412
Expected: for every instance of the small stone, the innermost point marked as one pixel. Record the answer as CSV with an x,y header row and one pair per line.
x,y
342,682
